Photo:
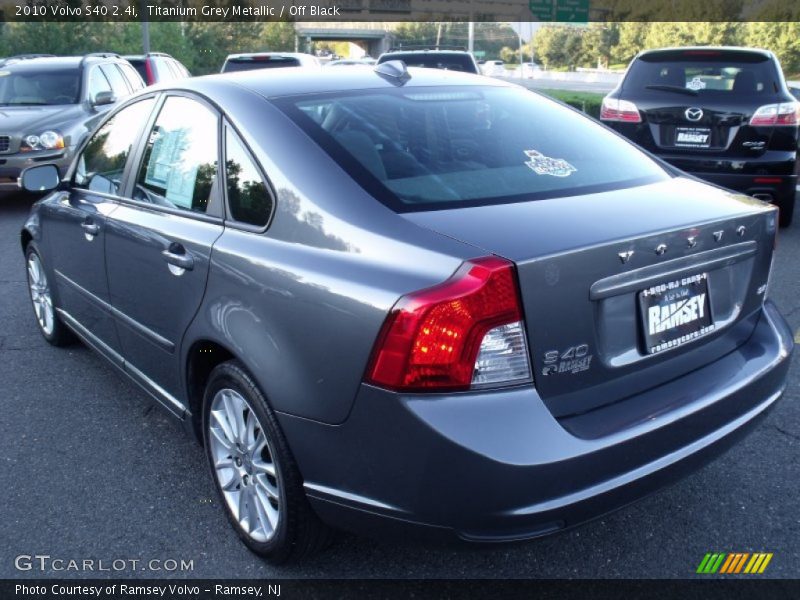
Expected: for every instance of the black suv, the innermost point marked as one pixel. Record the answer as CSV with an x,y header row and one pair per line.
x,y
436,58
725,115
50,104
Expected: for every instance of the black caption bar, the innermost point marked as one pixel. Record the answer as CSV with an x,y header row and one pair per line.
x,y
577,11
98,589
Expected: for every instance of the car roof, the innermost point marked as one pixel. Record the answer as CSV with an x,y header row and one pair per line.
x,y
253,54
63,62
424,51
44,63
289,81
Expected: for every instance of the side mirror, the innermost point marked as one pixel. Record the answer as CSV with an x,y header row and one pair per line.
x,y
103,98
41,178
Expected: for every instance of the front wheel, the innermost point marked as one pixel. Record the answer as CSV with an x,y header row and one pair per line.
x,y
41,295
254,471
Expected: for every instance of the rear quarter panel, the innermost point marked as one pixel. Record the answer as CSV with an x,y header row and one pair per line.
x,y
302,304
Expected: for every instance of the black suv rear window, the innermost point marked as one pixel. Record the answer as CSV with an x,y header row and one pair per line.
x,y
434,60
259,62
704,73
431,148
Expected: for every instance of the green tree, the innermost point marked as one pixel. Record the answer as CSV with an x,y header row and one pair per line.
x,y
558,46
599,40
781,38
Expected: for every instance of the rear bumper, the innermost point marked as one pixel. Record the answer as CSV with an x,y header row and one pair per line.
x,y
771,175
498,466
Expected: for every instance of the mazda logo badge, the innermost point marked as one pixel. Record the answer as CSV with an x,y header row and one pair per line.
x,y
694,114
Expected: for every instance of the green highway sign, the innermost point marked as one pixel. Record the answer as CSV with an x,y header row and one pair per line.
x,y
572,11
479,53
542,9
567,11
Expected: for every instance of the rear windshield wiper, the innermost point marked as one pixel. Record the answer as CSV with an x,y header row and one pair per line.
x,y
672,88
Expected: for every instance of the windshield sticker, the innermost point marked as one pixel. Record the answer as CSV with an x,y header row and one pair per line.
x,y
544,165
696,84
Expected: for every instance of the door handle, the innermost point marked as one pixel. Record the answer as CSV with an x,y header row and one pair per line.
x,y
91,229
178,259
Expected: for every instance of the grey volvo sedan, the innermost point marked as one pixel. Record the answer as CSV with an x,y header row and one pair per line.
x,y
409,301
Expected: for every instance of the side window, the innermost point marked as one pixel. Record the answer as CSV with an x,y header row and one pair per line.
x,y
117,81
97,83
102,161
249,200
134,81
180,160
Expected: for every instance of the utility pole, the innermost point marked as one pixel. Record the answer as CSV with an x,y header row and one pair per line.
x,y
145,28
471,37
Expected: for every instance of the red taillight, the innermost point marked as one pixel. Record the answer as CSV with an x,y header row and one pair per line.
x,y
767,180
148,71
771,115
432,338
613,109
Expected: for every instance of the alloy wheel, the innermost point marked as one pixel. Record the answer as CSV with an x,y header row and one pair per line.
x,y
40,294
244,465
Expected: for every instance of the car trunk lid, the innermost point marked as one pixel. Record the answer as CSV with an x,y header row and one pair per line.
x,y
584,263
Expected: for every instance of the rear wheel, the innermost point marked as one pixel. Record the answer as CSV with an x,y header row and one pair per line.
x,y
254,471
41,295
786,205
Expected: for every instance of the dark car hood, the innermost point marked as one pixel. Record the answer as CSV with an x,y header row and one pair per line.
x,y
22,120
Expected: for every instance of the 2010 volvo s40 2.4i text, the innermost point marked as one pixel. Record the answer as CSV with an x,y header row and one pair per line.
x,y
409,300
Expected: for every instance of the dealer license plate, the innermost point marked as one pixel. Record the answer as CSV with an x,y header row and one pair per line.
x,y
675,312
693,137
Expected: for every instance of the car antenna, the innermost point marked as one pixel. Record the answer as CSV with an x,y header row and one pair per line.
x,y
393,71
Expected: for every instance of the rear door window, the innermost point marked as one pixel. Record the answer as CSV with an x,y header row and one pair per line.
x,y
180,160
118,84
132,77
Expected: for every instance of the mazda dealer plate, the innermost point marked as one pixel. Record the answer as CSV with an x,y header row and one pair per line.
x,y
693,137
675,312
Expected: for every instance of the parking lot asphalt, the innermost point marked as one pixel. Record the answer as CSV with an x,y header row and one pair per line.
x,y
91,469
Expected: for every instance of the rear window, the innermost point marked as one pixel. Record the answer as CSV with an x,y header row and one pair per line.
x,y
435,148
39,87
260,62
704,73
450,62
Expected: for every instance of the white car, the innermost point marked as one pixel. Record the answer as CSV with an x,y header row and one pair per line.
x,y
494,68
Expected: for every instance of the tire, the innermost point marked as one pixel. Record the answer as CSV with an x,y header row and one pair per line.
x,y
40,293
255,474
786,205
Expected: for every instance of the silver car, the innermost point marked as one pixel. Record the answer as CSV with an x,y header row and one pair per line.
x,y
403,301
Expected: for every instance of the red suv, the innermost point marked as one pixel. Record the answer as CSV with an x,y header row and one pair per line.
x,y
157,67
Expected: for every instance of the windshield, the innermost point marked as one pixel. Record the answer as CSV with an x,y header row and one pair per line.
x,y
704,73
38,88
432,148
266,62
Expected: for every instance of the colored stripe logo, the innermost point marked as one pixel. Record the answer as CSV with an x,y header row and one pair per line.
x,y
734,563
